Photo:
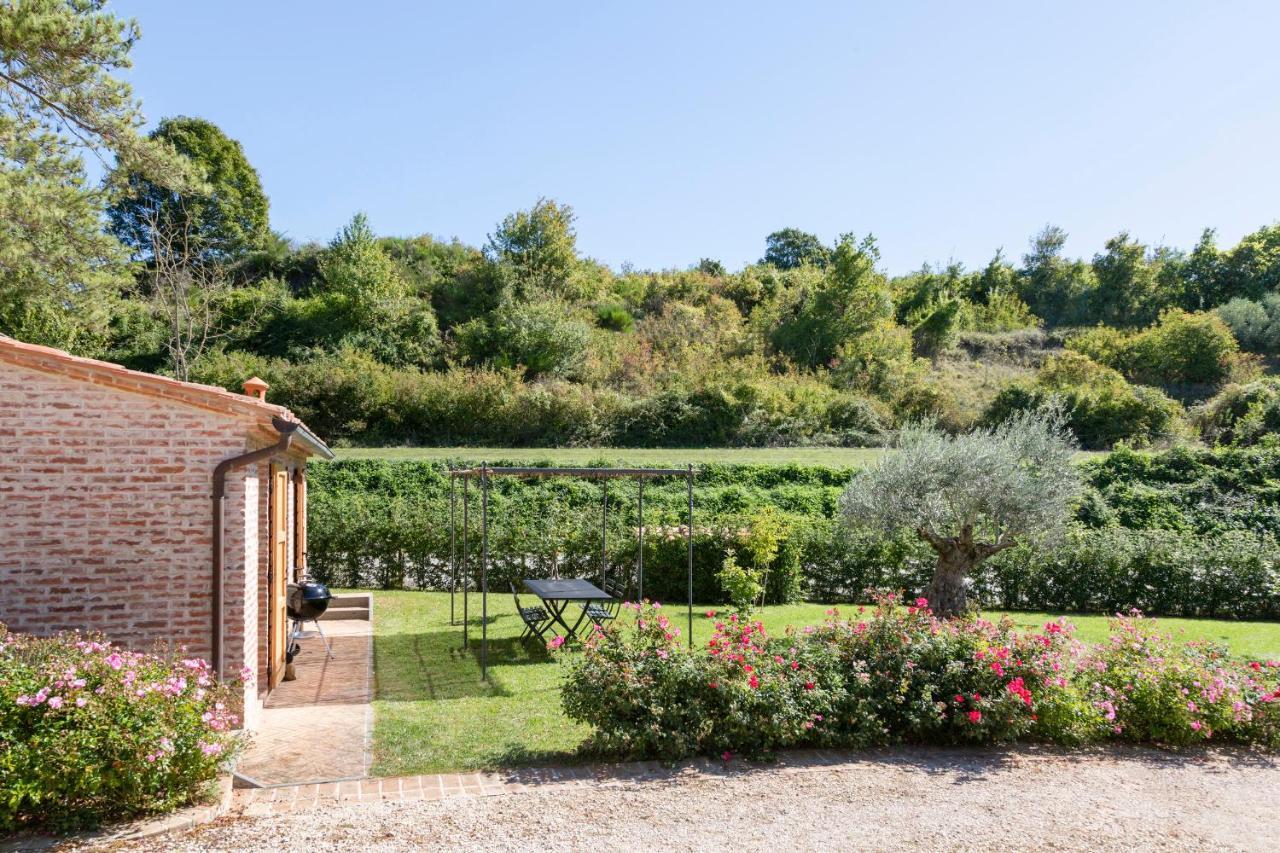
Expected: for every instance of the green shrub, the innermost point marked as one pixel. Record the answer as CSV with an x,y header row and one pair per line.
x,y
937,331
543,338
1102,409
742,586
89,733
1182,348
615,317
1002,312
1256,325
1235,575
1241,415
1209,491
1104,345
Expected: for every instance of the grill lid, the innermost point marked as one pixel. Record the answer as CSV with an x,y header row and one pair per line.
x,y
307,600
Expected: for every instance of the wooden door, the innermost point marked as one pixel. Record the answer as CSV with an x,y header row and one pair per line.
x,y
277,575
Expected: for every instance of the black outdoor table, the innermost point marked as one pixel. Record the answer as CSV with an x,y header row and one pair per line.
x,y
559,594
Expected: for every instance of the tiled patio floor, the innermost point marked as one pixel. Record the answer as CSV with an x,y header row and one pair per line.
x,y
317,727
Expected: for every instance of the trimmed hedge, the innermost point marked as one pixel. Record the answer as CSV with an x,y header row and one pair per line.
x,y
386,524
1180,533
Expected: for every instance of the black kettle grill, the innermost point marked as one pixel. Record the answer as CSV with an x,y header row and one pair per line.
x,y
306,601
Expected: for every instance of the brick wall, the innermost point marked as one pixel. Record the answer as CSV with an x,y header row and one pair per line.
x,y
105,515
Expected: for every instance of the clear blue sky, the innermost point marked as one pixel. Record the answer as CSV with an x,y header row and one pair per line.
x,y
683,130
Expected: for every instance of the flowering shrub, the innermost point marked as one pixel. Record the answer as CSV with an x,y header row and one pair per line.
x,y
898,674
89,732
1150,688
646,695
927,679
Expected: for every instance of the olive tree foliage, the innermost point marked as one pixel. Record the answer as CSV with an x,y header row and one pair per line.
x,y
972,495
59,99
227,215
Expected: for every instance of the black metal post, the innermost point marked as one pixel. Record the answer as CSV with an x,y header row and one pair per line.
x,y
453,546
640,553
689,482
604,528
484,572
466,589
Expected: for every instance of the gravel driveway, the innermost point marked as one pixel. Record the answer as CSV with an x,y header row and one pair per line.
x,y
908,798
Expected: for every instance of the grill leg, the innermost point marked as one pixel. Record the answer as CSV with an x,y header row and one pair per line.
x,y
327,648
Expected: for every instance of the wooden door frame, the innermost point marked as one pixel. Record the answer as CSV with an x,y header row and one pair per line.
x,y
277,571
299,523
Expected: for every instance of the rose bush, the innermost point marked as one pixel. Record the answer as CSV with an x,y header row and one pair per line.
x,y
646,695
899,674
952,681
1151,688
90,733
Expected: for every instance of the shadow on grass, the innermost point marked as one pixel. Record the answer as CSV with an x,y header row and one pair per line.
x,y
517,755
433,665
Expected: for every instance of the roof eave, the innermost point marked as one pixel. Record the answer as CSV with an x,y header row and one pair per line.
x,y
312,442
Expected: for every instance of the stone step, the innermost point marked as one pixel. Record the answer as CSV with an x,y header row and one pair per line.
x,y
336,613
352,599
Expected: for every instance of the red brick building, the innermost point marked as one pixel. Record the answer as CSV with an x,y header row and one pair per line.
x,y
109,510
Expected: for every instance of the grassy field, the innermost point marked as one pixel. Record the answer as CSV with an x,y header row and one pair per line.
x,y
835,457
433,713
644,456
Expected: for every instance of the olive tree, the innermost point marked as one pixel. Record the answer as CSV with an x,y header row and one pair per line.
x,y
970,496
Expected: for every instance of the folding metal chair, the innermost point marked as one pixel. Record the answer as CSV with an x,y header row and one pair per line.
x,y
601,612
536,619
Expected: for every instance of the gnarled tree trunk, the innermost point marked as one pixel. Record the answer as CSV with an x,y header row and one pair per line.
x,y
946,592
957,557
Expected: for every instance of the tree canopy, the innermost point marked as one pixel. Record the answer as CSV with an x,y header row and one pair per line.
x,y
60,99
384,336
226,215
790,248
539,246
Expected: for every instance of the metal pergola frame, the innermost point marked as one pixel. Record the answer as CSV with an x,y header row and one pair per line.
x,y
485,473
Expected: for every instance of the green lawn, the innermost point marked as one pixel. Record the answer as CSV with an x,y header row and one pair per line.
x,y
833,457
849,457
433,714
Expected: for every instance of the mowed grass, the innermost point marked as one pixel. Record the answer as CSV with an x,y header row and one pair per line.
x,y
831,457
433,714
836,457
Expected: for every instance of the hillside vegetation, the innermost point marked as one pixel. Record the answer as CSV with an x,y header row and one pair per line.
x,y
171,266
